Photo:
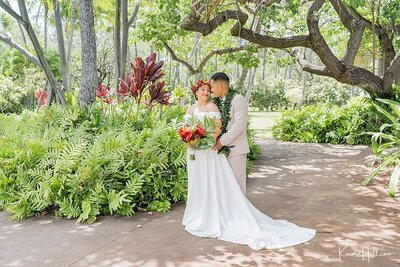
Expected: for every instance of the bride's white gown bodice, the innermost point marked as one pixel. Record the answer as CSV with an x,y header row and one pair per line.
x,y
216,206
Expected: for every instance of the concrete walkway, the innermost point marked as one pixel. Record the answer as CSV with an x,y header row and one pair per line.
x,y
312,185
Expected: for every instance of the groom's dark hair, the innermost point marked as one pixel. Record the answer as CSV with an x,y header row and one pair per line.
x,y
220,76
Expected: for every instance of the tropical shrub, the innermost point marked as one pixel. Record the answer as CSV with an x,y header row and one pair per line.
x,y
255,149
329,123
269,95
327,91
11,96
81,164
388,137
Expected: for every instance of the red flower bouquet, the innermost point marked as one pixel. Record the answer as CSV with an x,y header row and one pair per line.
x,y
197,134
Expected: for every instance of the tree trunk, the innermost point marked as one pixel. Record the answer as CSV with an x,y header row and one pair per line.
x,y
373,36
61,45
136,50
171,70
117,42
174,76
304,88
87,94
242,78
290,70
251,83
264,61
305,76
70,41
187,74
277,57
46,16
22,34
54,85
178,73
124,40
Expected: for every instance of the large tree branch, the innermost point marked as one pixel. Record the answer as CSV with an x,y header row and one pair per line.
x,y
368,23
384,40
268,41
134,13
356,28
43,62
176,58
318,42
392,72
307,66
199,69
356,34
220,52
25,52
10,11
344,15
343,71
191,23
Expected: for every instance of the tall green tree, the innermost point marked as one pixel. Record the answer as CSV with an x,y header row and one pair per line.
x,y
205,18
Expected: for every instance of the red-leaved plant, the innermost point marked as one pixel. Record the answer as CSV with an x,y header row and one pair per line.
x,y
103,92
145,76
40,98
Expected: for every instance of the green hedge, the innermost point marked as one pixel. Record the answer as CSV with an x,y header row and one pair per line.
x,y
328,123
82,164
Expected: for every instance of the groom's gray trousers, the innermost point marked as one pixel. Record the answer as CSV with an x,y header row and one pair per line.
x,y
238,165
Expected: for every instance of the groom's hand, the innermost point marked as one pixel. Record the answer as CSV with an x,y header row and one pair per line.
x,y
218,145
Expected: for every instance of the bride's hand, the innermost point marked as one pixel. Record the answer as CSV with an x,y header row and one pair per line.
x,y
218,145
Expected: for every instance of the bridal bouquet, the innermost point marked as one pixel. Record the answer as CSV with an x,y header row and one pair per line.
x,y
197,134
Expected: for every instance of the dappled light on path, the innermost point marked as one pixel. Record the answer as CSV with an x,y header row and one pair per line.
x,y
312,185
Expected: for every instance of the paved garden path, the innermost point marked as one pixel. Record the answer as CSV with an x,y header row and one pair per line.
x,y
312,185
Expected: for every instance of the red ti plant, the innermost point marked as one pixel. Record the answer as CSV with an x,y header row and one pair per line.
x,y
103,92
42,97
157,94
145,76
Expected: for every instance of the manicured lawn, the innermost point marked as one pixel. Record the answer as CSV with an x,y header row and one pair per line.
x,y
262,123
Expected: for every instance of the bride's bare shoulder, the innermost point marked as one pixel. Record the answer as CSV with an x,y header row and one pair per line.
x,y
212,107
190,109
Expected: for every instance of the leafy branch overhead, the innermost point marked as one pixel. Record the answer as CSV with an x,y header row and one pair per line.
x,y
199,68
204,20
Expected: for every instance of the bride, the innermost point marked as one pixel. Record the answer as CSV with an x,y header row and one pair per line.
x,y
216,206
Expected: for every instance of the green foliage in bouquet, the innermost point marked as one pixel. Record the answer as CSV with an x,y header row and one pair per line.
x,y
207,125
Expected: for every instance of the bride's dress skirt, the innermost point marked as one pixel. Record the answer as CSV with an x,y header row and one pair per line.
x,y
216,207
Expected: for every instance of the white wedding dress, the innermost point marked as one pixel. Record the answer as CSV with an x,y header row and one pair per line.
x,y
216,206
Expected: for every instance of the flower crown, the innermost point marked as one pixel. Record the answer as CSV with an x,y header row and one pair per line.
x,y
199,84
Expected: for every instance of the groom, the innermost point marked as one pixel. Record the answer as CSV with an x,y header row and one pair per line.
x,y
234,110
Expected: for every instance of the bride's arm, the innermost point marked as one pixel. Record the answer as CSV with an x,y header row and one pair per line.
x,y
218,122
218,130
